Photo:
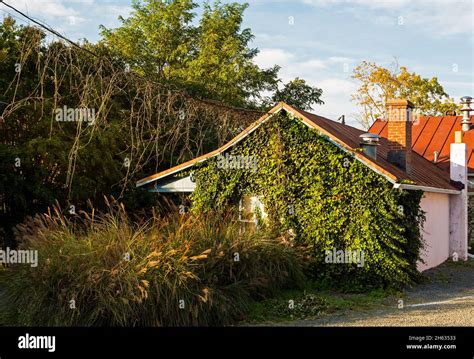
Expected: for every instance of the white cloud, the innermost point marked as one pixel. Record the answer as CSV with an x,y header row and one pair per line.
x,y
313,64
375,4
70,12
268,57
337,86
293,66
272,39
340,59
337,97
76,19
444,18
459,84
325,73
44,8
436,17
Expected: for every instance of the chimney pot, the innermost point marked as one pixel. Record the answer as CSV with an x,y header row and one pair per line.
x,y
466,110
458,137
368,143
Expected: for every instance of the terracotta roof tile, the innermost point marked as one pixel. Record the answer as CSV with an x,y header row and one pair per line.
x,y
434,133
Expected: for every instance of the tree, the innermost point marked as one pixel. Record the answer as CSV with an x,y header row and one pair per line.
x,y
299,94
141,125
378,84
223,67
212,60
157,38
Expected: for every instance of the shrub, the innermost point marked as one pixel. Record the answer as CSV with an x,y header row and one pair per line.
x,y
167,271
301,306
308,306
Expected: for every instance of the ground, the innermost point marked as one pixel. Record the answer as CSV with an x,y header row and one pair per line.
x,y
445,299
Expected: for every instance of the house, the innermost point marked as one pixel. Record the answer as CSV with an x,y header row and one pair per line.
x,y
432,137
388,150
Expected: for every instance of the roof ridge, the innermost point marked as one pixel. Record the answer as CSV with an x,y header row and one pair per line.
x,y
341,135
328,119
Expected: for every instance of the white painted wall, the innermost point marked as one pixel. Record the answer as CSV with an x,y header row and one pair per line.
x,y
459,208
435,230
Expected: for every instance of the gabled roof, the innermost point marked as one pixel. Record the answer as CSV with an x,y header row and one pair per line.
x,y
425,175
434,133
221,149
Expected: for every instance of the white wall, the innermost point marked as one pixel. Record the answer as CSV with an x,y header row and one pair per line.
x,y
435,230
459,207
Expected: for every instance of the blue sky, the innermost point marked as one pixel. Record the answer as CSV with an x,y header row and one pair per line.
x,y
321,40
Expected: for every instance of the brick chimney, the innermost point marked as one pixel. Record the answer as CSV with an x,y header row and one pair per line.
x,y
399,113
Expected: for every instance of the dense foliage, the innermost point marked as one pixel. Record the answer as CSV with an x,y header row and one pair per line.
x,y
139,127
326,198
377,84
471,224
163,87
299,94
179,270
211,58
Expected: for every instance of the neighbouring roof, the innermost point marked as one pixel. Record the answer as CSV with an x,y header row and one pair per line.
x,y
434,133
425,175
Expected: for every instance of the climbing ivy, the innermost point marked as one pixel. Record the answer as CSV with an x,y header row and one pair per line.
x,y
471,223
326,197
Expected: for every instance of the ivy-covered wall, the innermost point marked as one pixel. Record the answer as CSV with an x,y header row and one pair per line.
x,y
471,223
328,199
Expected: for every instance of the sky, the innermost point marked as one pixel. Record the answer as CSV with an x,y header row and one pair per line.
x,y
320,41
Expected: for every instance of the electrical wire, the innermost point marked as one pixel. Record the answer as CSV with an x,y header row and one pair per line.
x,y
56,33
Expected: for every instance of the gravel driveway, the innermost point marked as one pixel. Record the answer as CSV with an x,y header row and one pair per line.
x,y
446,300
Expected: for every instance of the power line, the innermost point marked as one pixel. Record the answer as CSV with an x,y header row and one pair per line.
x,y
13,16
56,33
49,29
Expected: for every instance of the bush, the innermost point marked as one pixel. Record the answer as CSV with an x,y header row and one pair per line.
x,y
167,271
290,305
308,306
471,223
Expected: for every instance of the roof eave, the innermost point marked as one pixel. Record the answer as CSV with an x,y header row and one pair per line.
x,y
414,187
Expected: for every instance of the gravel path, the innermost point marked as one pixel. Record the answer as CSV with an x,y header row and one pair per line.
x,y
446,300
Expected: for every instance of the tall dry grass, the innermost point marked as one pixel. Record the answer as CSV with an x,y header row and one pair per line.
x,y
176,270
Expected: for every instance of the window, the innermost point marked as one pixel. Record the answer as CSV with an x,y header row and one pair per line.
x,y
251,209
470,180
